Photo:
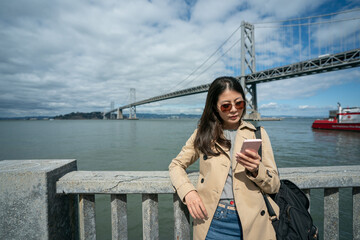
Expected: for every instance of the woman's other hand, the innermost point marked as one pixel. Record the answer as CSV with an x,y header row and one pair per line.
x,y
195,205
250,160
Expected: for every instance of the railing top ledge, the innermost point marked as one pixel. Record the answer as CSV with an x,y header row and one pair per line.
x,y
115,182
323,177
123,182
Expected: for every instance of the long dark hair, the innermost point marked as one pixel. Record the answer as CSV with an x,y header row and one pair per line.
x,y
210,124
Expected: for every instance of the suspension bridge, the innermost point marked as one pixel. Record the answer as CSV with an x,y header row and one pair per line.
x,y
284,49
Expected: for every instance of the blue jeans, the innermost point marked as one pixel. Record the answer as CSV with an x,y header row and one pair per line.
x,y
225,225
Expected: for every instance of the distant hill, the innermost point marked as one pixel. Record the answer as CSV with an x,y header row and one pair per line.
x,y
28,118
166,116
98,115
80,116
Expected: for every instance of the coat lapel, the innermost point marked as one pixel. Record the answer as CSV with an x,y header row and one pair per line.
x,y
226,151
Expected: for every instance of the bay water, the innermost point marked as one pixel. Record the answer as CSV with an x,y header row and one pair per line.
x,y
150,145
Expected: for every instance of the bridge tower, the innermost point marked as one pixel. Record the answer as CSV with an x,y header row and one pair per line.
x,y
104,115
132,100
112,106
248,62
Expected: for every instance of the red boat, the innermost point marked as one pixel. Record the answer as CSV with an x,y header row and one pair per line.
x,y
341,119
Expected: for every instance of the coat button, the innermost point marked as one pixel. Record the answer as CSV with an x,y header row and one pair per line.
x,y
205,157
262,213
202,180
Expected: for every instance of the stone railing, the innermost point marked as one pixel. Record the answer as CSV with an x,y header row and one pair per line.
x,y
150,184
49,199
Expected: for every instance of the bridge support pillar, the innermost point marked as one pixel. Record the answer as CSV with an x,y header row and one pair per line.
x,y
248,63
254,115
133,107
252,101
120,114
253,93
132,112
104,115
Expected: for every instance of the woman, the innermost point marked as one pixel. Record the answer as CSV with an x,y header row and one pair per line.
x,y
227,202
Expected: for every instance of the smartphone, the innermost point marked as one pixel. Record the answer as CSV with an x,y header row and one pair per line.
x,y
252,144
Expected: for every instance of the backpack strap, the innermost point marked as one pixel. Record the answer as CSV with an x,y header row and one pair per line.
x,y
268,205
258,136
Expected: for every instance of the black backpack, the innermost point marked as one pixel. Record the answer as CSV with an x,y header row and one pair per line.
x,y
294,221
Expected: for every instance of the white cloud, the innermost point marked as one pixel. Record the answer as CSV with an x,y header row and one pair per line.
x,y
206,11
307,107
271,105
282,9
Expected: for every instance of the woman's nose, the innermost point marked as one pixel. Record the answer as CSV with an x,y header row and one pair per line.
x,y
233,109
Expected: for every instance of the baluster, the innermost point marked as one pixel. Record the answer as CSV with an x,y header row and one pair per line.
x,y
87,217
150,215
331,213
307,193
356,212
119,217
182,221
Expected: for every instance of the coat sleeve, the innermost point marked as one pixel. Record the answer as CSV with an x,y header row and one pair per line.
x,y
179,178
268,177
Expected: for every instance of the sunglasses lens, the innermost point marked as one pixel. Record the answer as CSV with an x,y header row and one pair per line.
x,y
225,107
240,105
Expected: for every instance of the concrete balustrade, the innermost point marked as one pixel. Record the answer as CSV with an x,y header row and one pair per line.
x,y
119,184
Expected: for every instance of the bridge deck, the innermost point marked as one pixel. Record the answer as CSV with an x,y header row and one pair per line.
x,y
334,62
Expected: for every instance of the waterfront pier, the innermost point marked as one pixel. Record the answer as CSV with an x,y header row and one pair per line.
x,y
50,199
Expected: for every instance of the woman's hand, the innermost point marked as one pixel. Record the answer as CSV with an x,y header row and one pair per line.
x,y
250,160
195,205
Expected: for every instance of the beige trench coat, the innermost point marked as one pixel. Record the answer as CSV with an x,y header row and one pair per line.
x,y
249,201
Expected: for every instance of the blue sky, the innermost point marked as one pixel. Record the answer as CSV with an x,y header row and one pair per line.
x,y
68,56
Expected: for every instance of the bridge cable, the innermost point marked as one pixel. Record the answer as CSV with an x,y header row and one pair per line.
x,y
218,59
218,49
318,16
308,24
260,23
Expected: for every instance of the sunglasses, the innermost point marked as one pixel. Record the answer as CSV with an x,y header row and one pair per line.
x,y
227,106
